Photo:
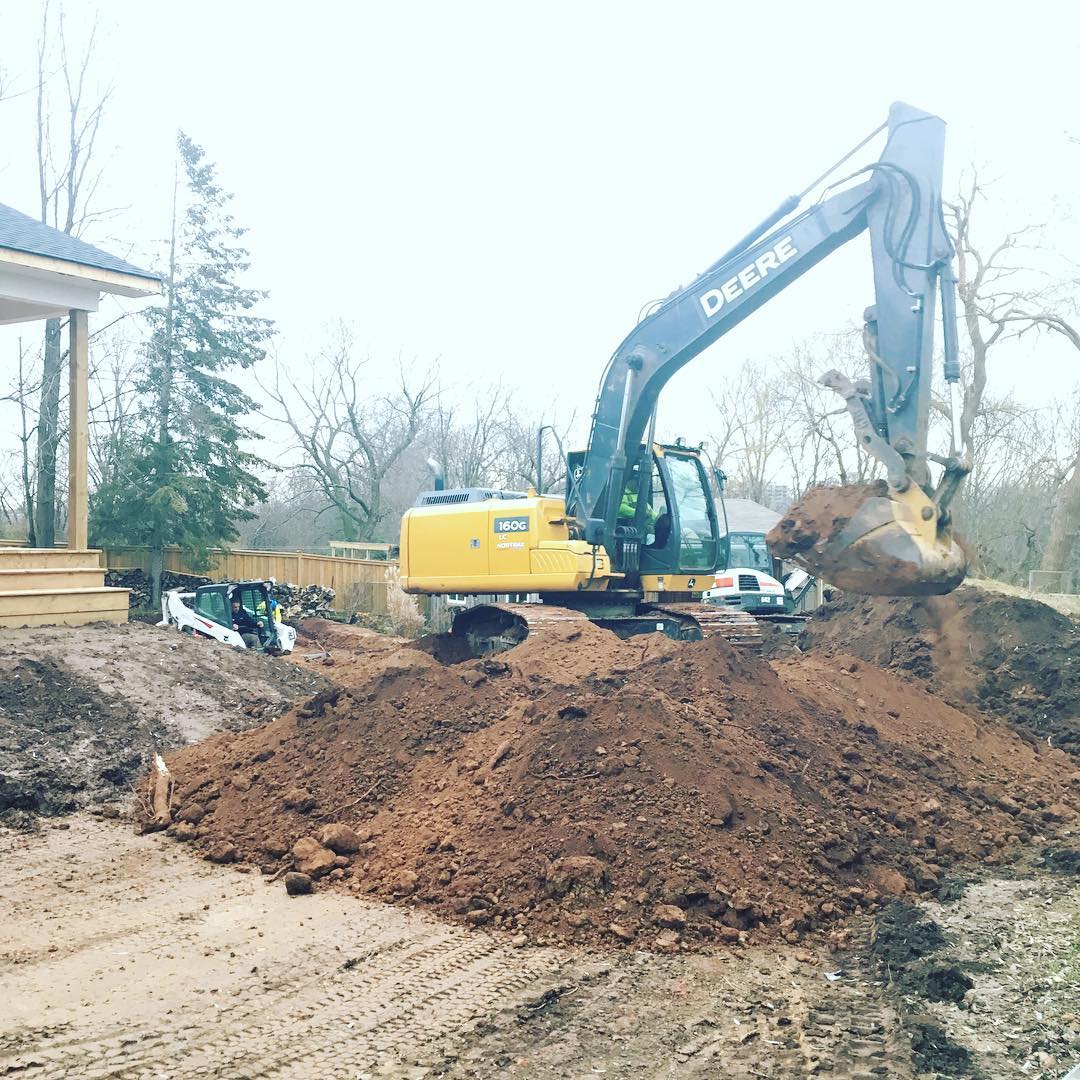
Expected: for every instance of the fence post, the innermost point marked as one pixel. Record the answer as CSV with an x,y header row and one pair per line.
x,y
299,569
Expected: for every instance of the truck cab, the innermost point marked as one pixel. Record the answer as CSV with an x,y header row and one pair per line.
x,y
752,580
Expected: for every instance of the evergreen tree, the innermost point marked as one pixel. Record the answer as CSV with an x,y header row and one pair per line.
x,y
189,482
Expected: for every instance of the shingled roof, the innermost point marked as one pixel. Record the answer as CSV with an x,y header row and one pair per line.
x,y
745,515
19,232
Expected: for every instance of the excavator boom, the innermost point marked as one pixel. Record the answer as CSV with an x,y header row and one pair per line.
x,y
898,201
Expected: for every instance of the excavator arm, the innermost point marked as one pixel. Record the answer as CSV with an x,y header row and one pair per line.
x,y
898,201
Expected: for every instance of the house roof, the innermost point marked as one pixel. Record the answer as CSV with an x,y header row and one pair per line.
x,y
20,232
745,515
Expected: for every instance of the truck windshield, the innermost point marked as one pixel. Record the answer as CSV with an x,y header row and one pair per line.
x,y
749,550
697,537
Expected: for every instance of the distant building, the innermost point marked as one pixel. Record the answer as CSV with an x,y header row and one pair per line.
x,y
747,516
777,497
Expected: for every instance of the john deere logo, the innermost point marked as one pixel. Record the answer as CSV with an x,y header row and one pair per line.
x,y
512,524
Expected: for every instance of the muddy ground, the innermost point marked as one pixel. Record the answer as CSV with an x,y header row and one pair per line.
x,y
83,708
125,957
132,956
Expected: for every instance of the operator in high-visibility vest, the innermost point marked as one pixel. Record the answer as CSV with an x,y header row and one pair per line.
x,y
628,509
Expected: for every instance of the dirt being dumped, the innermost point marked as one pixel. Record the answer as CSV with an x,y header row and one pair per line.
x,y
1009,656
819,516
584,788
869,540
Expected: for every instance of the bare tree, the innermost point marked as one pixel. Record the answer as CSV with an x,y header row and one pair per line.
x,y
1065,508
24,392
349,441
520,433
752,417
113,408
470,444
1002,298
819,440
66,188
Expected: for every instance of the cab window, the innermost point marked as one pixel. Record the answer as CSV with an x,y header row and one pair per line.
x,y
749,550
211,605
253,601
697,535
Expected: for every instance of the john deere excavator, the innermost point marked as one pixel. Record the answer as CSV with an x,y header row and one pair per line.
x,y
635,539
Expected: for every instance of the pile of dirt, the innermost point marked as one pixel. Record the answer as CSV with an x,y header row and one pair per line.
x,y
61,744
82,709
584,788
1006,655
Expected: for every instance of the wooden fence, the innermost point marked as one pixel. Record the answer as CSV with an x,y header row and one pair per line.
x,y
358,584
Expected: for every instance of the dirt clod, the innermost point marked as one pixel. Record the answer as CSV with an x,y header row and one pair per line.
x,y
311,858
297,884
669,916
934,1051
299,799
222,852
340,839
945,982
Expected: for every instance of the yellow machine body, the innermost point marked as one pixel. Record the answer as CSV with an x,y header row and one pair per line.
x,y
498,546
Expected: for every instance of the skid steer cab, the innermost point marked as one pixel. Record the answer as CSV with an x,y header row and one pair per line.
x,y
242,614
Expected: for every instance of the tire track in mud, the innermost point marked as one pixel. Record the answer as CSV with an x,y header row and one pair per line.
x,y
341,984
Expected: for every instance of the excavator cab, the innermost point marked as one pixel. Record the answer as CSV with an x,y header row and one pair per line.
x,y
667,529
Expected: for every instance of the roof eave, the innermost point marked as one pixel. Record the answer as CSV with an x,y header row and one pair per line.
x,y
109,281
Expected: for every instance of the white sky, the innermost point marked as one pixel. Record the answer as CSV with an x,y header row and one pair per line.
x,y
501,186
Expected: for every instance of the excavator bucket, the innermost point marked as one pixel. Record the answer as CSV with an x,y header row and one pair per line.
x,y
871,539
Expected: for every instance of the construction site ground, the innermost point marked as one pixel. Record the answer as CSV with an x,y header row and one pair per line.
x,y
125,955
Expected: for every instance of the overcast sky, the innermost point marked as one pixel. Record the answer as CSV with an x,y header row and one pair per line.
x,y
501,186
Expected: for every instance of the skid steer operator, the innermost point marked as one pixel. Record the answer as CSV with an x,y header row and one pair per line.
x,y
246,624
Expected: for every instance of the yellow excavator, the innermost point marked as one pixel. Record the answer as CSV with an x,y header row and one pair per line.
x,y
635,538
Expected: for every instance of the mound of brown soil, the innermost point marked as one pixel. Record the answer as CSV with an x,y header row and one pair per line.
x,y
83,709
589,789
1006,655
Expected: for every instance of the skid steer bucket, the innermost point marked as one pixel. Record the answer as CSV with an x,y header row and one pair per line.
x,y
871,539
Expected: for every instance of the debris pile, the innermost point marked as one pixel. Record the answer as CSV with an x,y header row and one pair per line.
x,y
1008,656
138,581
304,601
62,745
584,788
83,709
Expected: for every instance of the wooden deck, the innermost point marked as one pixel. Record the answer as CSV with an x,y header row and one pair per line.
x,y
56,587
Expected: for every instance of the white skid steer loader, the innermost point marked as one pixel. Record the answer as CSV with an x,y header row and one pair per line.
x,y
241,613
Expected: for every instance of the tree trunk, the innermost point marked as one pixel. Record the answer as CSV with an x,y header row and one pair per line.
x,y
48,437
157,568
157,553
1064,522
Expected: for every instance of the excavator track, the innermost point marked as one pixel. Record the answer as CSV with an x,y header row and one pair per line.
x,y
739,627
494,628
